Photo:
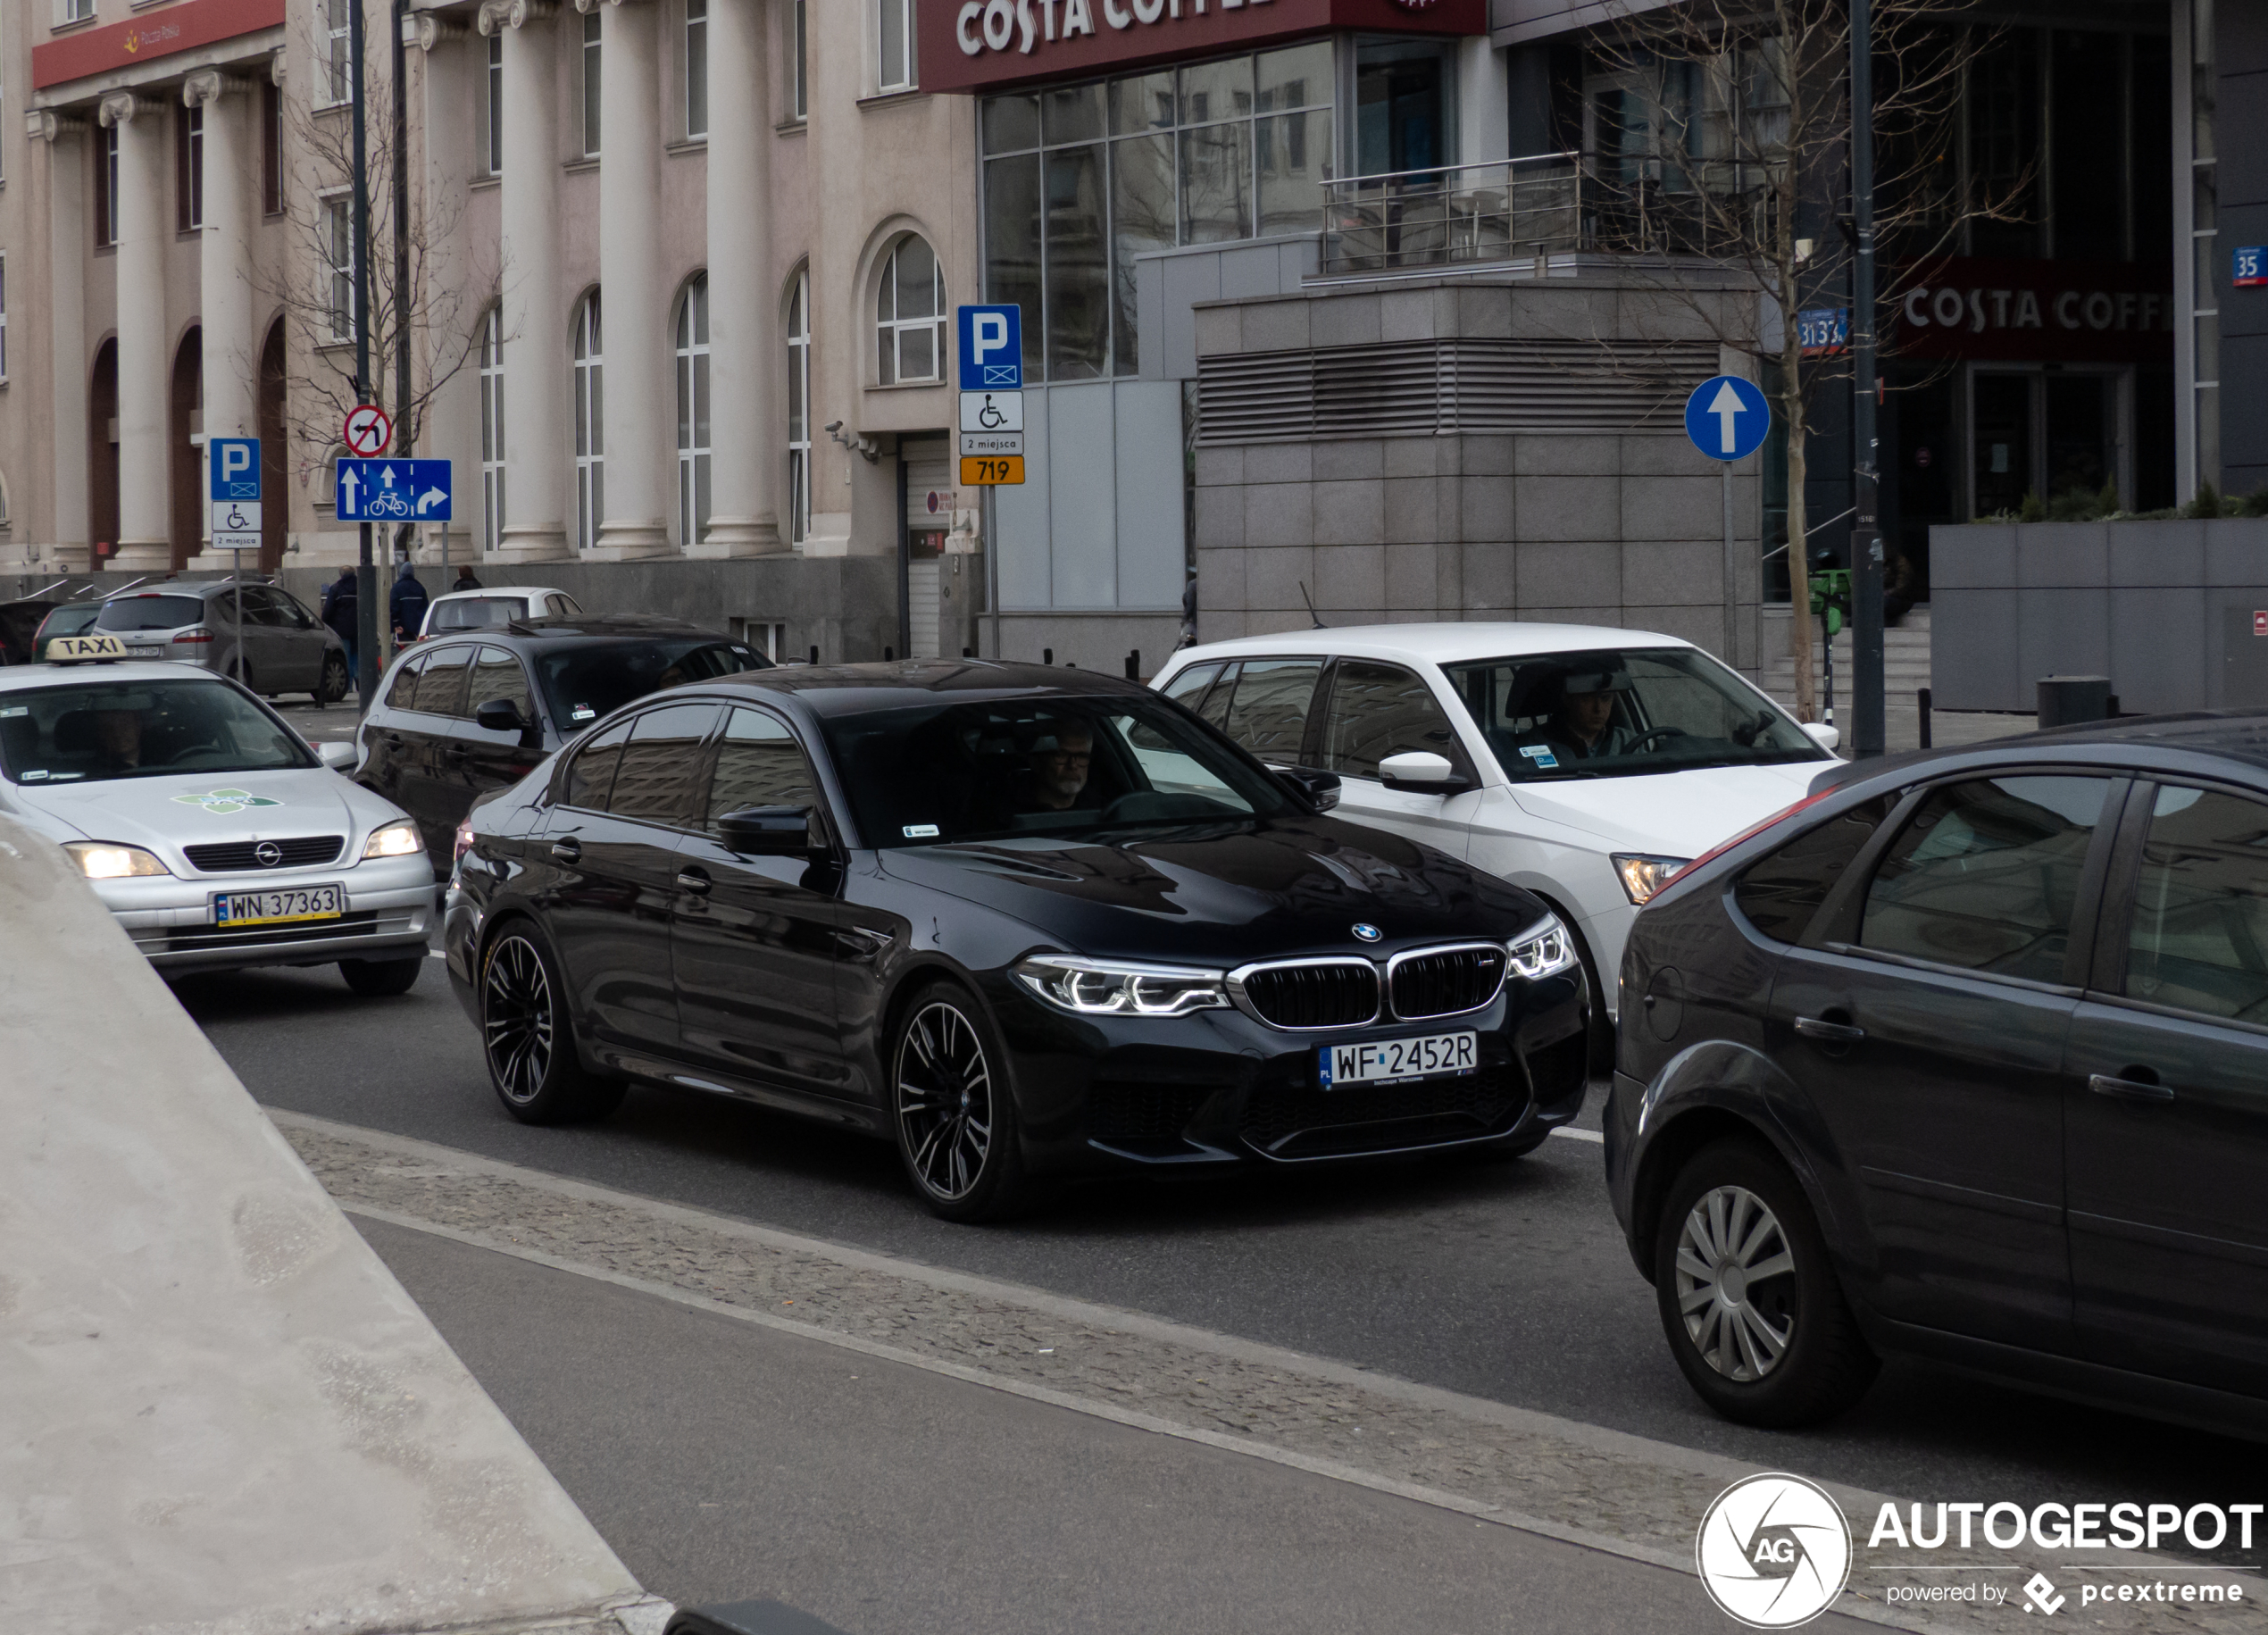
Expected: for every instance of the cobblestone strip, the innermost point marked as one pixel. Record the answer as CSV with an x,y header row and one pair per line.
x,y
1635,1497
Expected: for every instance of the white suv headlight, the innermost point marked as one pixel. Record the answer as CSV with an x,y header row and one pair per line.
x,y
1109,987
1543,948
106,860
1643,876
394,841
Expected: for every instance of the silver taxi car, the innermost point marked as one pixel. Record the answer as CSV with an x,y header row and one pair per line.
x,y
215,834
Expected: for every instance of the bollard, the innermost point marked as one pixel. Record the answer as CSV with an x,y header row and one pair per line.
x,y
889,655
2069,700
1046,655
1921,705
814,653
1134,664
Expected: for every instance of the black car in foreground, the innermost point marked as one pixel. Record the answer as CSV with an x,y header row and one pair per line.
x,y
468,714
1023,921
1966,1056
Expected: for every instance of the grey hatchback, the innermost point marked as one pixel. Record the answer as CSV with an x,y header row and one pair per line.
x,y
284,648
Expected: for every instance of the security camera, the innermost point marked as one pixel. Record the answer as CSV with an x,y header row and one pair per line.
x,y
865,447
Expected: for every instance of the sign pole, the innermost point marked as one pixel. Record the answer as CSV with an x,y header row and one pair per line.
x,y
365,570
1868,728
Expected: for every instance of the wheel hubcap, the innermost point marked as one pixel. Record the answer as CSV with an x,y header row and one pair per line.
x,y
944,1100
517,1020
1736,1284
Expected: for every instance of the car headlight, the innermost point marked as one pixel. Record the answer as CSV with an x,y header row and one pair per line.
x,y
394,841
1643,876
1543,948
104,860
1099,988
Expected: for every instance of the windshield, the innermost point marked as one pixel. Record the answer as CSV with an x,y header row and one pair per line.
x,y
1623,714
150,613
107,730
70,621
478,613
593,679
935,774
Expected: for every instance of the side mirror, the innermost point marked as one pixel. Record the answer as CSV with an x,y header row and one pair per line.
x,y
1420,771
767,832
1825,734
340,757
1319,789
498,715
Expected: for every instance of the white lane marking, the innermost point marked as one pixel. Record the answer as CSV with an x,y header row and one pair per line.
x,y
1573,1134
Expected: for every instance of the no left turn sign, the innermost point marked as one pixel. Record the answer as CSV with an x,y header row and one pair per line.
x,y
368,431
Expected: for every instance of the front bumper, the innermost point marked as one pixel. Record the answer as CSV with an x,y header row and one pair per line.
x,y
1218,1087
390,909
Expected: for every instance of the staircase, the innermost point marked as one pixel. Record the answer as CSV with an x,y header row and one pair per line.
x,y
1905,659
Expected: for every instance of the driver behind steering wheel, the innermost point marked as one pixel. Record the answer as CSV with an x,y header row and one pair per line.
x,y
1587,718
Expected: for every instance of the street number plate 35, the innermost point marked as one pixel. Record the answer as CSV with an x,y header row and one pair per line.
x,y
1392,1060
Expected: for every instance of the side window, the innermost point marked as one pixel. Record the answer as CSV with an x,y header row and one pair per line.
x,y
1781,892
1986,874
1268,715
497,674
2198,940
1382,710
590,775
1215,706
662,764
289,614
1188,686
440,691
259,608
759,764
403,693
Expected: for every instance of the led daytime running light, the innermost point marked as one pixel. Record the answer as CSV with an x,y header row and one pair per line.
x,y
1101,988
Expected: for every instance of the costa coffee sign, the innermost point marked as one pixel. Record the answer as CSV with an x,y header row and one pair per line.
x,y
984,45
2037,311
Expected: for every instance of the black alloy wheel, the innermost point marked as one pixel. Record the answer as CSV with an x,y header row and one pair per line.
x,y
952,1110
335,682
528,1040
1754,1313
380,978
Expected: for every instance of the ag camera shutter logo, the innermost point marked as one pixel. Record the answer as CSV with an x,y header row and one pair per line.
x,y
1773,1551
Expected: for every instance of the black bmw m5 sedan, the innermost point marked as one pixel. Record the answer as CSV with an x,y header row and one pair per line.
x,y
1024,922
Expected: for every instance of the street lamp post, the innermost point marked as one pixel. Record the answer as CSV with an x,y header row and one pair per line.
x,y
366,587
1869,735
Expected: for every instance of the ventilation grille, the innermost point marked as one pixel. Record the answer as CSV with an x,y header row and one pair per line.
x,y
235,857
1444,984
1440,387
1338,995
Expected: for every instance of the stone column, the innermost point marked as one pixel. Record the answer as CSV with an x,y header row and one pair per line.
x,y
66,141
537,389
145,531
746,362
638,413
449,112
231,360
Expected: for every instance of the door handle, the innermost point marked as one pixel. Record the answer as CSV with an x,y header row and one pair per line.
x,y
695,881
569,850
456,755
2130,1088
1832,1032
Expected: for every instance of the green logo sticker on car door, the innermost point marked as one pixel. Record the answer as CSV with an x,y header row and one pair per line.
x,y
222,802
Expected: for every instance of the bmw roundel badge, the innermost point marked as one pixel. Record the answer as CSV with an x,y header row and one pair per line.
x,y
1367,932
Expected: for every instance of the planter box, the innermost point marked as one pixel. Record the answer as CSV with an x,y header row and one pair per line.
x,y
2164,609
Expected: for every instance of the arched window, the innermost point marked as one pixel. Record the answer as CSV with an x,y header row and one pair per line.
x,y
909,313
590,424
693,411
492,431
798,333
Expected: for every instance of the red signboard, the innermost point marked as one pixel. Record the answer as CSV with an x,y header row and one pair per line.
x,y
156,33
2077,311
982,44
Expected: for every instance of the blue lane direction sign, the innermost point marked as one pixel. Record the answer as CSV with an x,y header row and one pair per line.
x,y
1727,418
393,491
232,483
992,349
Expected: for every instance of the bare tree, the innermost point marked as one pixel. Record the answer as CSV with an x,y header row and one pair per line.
x,y
1723,144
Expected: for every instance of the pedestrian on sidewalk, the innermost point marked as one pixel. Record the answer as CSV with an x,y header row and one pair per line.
x,y
465,581
407,606
341,609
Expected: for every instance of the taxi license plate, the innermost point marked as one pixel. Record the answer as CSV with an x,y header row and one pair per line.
x,y
145,652
1436,1055
279,908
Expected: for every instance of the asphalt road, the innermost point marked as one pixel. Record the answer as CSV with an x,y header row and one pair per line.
x,y
1507,1281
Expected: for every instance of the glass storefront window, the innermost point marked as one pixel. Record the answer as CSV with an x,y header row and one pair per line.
x,y
1080,179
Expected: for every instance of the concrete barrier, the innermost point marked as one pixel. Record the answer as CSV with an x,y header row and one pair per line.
x,y
219,1411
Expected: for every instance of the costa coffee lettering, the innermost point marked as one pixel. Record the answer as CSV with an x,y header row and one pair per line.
x,y
1980,309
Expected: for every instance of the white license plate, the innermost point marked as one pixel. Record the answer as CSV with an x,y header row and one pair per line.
x,y
280,907
1388,1060
145,652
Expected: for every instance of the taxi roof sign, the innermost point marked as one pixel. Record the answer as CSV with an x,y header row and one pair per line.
x,y
91,649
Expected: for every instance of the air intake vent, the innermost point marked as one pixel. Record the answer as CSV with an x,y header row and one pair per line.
x,y
1445,981
1312,994
241,856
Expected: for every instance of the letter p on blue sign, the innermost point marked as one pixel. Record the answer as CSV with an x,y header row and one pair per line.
x,y
235,471
992,349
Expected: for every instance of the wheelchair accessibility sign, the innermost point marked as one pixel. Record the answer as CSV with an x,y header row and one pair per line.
x,y
233,487
393,491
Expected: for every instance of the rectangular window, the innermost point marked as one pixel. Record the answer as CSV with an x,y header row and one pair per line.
x,y
106,187
591,85
334,49
492,491
697,68
799,64
338,258
4,317
188,168
2201,907
271,149
894,38
496,105
77,11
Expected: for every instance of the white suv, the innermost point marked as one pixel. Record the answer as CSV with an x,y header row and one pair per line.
x,y
1586,764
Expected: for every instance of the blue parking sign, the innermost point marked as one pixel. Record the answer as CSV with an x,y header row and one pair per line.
x,y
233,472
992,349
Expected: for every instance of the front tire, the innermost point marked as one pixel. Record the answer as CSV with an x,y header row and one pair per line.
x,y
381,979
952,1110
333,686
1748,1296
527,1038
